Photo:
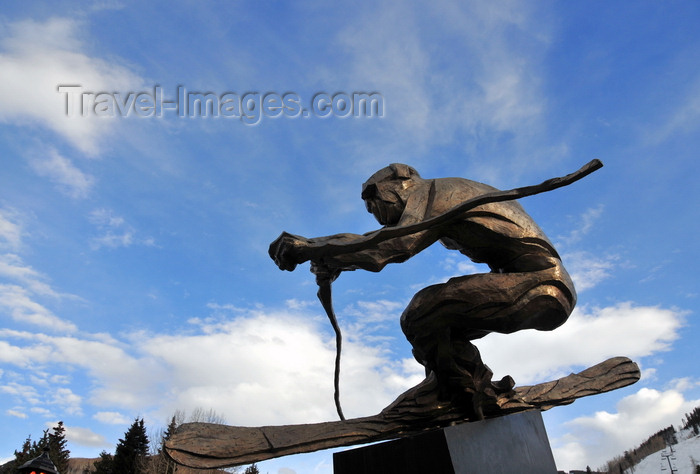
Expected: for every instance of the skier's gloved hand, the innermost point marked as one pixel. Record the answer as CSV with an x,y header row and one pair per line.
x,y
287,250
324,273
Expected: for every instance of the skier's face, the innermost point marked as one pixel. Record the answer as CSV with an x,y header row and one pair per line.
x,y
383,200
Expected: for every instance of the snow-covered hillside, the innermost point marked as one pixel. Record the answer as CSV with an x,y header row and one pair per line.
x,y
684,456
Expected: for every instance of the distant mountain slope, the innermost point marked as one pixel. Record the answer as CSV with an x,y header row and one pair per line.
x,y
78,466
684,459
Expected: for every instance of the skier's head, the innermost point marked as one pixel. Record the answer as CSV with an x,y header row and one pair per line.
x,y
385,192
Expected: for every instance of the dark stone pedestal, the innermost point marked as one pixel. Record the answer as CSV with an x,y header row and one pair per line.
x,y
510,444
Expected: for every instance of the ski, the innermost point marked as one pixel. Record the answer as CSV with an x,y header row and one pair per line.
x,y
209,446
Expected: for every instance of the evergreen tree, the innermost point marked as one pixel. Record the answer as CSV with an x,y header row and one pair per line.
x,y
21,456
30,450
58,452
132,451
252,469
56,444
693,419
105,465
172,427
160,463
170,466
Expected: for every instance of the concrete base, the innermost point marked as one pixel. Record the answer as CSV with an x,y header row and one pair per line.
x,y
510,444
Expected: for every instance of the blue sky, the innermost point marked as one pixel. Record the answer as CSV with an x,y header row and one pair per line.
x,y
134,276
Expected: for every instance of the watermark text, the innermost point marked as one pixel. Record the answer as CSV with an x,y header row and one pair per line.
x,y
249,107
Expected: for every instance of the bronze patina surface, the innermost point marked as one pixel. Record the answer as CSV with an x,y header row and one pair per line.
x,y
527,288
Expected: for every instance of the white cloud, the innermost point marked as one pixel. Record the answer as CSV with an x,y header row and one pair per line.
x,y
587,270
10,230
16,413
115,231
19,304
111,417
648,374
589,336
260,367
684,383
597,438
19,298
62,172
41,411
105,218
399,66
118,379
293,304
66,400
275,367
376,311
683,118
458,266
278,365
510,85
85,437
493,90
585,223
113,240
23,393
12,267
36,57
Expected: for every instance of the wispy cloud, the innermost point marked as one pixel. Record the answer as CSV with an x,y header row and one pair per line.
x,y
376,311
459,266
111,417
16,413
37,56
683,118
66,401
63,173
584,225
85,437
398,68
21,285
492,92
10,230
587,270
20,305
13,268
102,360
23,393
114,231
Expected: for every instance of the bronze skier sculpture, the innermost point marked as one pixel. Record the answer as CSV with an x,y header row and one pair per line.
x,y
527,288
